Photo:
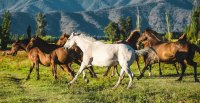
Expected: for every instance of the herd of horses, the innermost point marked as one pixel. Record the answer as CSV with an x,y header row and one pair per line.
x,y
87,52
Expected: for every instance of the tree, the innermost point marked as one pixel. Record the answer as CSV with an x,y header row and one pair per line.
x,y
122,28
29,32
41,23
168,34
111,31
5,30
193,28
129,25
125,26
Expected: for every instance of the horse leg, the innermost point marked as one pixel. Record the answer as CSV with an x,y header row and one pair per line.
x,y
175,65
84,77
147,63
137,61
115,70
194,64
120,78
150,67
83,66
37,70
30,70
183,67
92,73
106,73
160,70
130,74
68,70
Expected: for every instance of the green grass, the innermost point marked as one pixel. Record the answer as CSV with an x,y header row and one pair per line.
x,y
14,87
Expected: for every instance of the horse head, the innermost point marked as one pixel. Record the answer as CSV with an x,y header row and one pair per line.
x,y
62,40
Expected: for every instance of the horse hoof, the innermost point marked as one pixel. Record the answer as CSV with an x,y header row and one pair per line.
x,y
28,78
138,78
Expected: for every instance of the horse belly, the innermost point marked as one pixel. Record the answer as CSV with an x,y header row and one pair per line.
x,y
104,62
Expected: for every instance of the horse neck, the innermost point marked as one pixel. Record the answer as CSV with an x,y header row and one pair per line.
x,y
83,44
47,48
43,56
153,39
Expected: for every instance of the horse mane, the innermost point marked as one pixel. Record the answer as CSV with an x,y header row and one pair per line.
x,y
41,40
87,37
135,34
152,34
183,37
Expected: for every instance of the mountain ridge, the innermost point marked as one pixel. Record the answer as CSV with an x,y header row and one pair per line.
x,y
64,16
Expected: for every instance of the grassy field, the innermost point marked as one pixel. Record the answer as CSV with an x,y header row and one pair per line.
x,y
14,87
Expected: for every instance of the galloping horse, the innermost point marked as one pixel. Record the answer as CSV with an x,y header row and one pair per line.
x,y
100,54
149,39
57,55
131,41
77,54
171,52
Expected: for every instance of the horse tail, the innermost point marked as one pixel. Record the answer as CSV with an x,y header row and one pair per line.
x,y
196,48
144,51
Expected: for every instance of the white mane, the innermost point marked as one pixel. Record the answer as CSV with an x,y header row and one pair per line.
x,y
87,37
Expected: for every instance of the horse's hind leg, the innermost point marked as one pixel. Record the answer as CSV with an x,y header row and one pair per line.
x,y
137,61
92,73
120,78
106,73
175,65
194,64
115,70
183,67
30,70
160,70
150,73
130,74
147,63
37,70
68,70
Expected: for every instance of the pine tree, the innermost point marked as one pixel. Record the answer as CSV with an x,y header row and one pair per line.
x,y
5,30
41,23
28,31
111,31
193,28
129,25
122,28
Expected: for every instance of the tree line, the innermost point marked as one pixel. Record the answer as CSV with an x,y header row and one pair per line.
x,y
113,31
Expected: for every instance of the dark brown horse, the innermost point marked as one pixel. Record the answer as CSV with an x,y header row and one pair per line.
x,y
149,38
171,52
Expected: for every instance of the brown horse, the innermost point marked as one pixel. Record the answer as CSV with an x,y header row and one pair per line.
x,y
75,53
171,52
57,55
149,39
35,55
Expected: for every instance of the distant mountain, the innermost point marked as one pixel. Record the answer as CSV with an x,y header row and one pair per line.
x,y
91,16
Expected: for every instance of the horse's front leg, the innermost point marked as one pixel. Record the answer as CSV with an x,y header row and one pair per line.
x,y
30,70
83,66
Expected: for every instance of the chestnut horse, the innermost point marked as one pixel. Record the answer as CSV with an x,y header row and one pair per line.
x,y
77,54
57,55
171,52
149,39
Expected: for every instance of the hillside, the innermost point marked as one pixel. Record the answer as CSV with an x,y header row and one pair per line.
x,y
91,16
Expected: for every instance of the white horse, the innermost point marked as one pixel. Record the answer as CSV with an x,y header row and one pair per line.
x,y
99,54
